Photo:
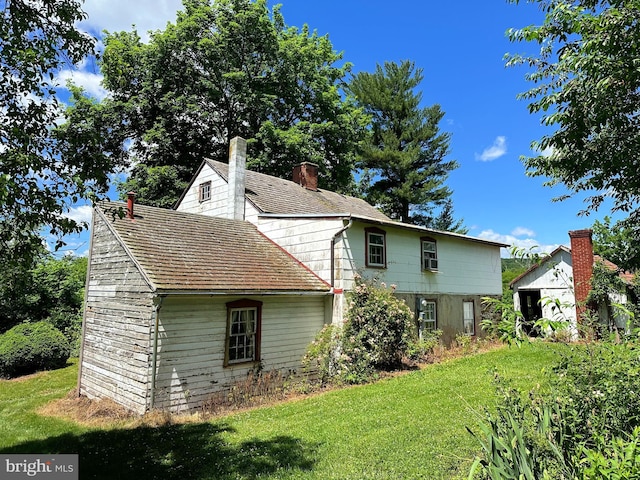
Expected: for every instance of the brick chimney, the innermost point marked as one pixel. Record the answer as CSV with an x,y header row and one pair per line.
x,y
131,200
236,178
306,175
582,260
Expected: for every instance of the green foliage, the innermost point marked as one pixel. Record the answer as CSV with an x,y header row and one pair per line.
x,y
37,39
617,243
320,354
181,97
585,427
403,159
519,441
52,290
617,459
421,349
376,335
30,347
503,321
587,88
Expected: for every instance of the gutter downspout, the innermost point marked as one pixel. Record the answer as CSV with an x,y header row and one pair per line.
x,y
333,245
157,301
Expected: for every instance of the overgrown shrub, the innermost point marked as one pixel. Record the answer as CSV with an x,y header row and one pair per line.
x,y
422,349
29,347
375,336
586,427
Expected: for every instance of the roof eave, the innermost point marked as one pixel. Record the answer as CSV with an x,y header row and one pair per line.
x,y
244,292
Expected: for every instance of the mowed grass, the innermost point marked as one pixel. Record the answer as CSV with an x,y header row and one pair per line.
x,y
408,427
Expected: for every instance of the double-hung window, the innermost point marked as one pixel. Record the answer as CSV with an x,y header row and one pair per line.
x,y
204,192
429,254
427,321
468,318
376,246
243,331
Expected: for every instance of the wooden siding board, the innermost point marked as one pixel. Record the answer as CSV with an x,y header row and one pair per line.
x,y
119,310
308,240
191,361
465,267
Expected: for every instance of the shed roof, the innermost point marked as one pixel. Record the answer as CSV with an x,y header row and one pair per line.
x,y
627,277
185,252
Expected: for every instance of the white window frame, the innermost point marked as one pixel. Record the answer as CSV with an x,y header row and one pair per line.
x,y
204,191
429,254
428,317
469,317
379,245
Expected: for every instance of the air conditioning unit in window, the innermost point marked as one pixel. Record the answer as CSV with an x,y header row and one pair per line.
x,y
433,263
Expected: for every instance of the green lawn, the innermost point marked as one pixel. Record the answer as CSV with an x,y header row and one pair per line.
x,y
407,427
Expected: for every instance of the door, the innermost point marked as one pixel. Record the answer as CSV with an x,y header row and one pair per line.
x,y
531,311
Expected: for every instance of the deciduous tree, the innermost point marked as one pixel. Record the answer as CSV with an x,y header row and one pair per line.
x,y
404,156
618,243
37,39
226,68
587,89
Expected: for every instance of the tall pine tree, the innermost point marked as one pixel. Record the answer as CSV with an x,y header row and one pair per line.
x,y
403,159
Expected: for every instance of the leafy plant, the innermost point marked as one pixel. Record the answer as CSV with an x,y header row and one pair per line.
x,y
376,335
506,327
29,347
421,349
585,427
616,459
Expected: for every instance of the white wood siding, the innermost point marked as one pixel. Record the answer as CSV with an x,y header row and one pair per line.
x,y
464,267
119,310
217,205
308,240
554,280
190,364
555,273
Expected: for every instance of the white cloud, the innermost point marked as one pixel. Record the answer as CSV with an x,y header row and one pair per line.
x,y
528,242
80,213
523,231
498,149
547,152
90,82
117,15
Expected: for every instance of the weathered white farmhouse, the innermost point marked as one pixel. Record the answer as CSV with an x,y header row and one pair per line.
x,y
441,275
558,286
182,303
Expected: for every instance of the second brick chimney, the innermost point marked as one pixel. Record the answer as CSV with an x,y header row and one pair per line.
x,y
306,175
582,260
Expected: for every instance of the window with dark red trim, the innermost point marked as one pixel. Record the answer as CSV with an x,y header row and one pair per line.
x,y
244,325
376,247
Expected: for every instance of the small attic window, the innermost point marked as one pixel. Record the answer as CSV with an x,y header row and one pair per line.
x,y
204,192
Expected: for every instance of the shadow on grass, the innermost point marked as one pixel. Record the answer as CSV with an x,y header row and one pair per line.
x,y
190,451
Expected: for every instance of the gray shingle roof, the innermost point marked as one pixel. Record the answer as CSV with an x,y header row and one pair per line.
x,y
187,252
278,196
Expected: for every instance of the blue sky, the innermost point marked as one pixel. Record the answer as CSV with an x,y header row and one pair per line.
x,y
460,46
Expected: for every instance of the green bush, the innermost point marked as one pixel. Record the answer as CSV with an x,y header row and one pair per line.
x,y
421,349
586,427
29,347
376,336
